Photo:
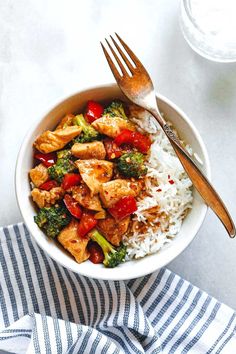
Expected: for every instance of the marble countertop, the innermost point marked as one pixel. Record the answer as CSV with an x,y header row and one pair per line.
x,y
49,49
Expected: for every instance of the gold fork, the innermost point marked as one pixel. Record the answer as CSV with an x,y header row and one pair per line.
x,y
136,84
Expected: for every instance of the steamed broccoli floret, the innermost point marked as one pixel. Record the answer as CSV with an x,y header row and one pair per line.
x,y
115,109
113,256
52,220
88,132
63,166
132,165
66,153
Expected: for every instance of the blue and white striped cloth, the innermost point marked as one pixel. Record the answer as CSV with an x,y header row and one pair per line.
x,y
44,308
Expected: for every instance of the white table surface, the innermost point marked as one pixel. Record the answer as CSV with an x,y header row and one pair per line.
x,y
50,48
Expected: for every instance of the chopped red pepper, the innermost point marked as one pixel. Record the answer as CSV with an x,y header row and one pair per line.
x,y
124,207
70,180
96,253
113,151
87,223
125,137
49,185
47,159
73,206
136,139
171,181
94,110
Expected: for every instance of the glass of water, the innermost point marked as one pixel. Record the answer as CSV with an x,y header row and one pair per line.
x,y
209,27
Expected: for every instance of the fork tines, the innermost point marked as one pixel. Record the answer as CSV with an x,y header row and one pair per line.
x,y
128,57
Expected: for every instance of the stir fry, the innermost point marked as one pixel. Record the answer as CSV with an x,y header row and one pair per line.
x,y
88,174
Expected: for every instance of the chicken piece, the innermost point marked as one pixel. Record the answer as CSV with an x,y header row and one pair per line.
x,y
46,198
74,244
56,140
112,229
82,195
112,191
39,174
67,121
112,126
100,214
94,150
95,172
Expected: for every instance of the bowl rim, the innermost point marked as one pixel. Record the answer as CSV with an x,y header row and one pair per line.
x,y
109,275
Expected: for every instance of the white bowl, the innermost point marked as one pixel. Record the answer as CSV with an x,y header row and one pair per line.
x,y
135,268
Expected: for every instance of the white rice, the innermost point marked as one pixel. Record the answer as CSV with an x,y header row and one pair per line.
x,y
173,200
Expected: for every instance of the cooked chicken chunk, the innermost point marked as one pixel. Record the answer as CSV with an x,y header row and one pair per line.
x,y
76,245
83,196
112,229
56,140
95,172
112,126
94,150
112,191
100,214
39,175
46,198
67,121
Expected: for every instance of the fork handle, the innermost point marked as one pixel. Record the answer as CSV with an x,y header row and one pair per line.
x,y
200,182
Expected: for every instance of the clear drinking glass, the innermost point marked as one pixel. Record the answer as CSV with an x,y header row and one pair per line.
x,y
209,27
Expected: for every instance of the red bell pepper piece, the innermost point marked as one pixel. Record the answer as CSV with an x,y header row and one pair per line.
x,y
49,185
47,159
73,206
96,253
124,207
70,180
113,151
94,110
87,223
139,141
125,137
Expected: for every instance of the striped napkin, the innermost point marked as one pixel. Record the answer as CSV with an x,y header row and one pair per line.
x,y
44,308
